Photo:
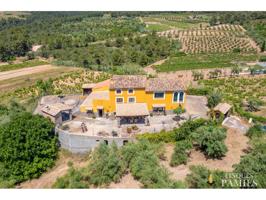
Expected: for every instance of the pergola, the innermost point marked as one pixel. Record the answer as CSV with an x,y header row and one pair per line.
x,y
132,113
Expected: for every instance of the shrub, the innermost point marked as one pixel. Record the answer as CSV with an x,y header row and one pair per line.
x,y
28,147
181,151
235,70
199,178
236,50
179,110
106,166
254,163
143,162
255,131
262,59
211,140
73,179
184,131
162,136
254,105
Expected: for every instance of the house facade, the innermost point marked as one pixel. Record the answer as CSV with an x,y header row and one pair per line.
x,y
133,95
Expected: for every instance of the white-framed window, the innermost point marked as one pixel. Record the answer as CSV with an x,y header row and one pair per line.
x,y
118,91
158,95
175,97
119,100
181,97
131,100
178,97
130,91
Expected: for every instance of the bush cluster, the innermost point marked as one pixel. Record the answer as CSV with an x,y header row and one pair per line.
x,y
211,140
184,131
181,151
163,136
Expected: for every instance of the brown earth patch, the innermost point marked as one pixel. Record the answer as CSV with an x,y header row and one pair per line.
x,y
60,169
235,141
127,181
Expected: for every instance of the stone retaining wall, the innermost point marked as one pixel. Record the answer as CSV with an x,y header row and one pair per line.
x,y
84,143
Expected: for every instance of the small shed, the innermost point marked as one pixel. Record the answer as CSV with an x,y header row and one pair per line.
x,y
58,113
222,109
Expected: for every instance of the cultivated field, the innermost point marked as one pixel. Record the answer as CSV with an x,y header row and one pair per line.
x,y
205,60
26,90
182,21
214,39
10,80
239,91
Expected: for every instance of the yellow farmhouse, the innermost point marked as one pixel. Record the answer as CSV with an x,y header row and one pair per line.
x,y
133,96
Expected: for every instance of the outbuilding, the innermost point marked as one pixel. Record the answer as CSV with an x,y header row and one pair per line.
x,y
58,113
222,110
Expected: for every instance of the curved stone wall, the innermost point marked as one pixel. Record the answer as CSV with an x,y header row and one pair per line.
x,y
84,143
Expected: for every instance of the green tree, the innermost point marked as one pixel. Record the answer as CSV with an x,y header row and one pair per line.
x,y
107,166
214,99
211,140
28,147
253,164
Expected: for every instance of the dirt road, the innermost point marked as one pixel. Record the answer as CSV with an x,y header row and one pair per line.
x,y
60,169
150,70
25,71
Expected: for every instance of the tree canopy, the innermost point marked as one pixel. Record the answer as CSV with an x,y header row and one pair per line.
x,y
28,147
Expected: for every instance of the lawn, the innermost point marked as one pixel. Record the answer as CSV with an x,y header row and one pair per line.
x,y
202,61
29,63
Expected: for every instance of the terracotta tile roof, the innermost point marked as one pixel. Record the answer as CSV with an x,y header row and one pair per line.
x,y
131,109
223,107
160,84
102,84
128,81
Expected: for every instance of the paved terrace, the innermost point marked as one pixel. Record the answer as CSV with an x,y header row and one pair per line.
x,y
106,127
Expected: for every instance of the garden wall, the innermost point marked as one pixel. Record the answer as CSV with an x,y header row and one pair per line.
x,y
85,143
